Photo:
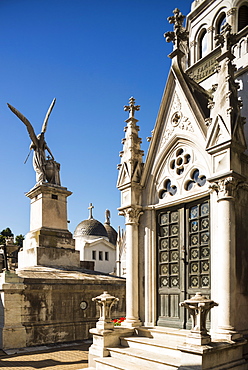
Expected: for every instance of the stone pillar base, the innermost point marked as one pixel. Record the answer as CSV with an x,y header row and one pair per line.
x,y
226,334
131,323
12,332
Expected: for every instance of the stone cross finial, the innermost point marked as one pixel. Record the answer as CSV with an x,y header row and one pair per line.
x,y
179,34
90,208
176,19
131,107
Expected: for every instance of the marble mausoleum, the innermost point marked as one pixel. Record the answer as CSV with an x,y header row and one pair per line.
x,y
185,206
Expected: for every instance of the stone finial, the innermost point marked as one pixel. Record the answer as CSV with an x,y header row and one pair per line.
x,y
179,33
90,208
131,107
107,216
198,306
105,302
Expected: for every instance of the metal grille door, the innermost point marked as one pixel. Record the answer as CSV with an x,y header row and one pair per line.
x,y
183,246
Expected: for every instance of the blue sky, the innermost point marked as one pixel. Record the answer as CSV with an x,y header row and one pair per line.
x,y
92,55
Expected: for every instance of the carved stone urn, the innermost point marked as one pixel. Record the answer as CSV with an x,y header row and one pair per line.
x,y
199,307
105,302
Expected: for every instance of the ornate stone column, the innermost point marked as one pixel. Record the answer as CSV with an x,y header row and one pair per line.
x,y
128,183
132,215
226,281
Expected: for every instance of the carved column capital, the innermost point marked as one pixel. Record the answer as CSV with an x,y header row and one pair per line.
x,y
192,43
210,29
131,214
226,188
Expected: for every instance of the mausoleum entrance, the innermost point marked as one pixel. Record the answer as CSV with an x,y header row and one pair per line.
x,y
183,259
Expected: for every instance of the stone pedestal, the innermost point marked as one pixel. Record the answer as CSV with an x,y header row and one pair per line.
x,y
48,206
49,243
12,332
102,340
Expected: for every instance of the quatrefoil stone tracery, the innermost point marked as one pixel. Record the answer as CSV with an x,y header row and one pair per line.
x,y
181,159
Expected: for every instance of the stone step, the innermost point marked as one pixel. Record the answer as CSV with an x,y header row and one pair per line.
x,y
169,335
152,345
144,358
110,363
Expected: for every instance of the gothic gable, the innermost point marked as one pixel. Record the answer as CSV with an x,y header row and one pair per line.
x,y
180,117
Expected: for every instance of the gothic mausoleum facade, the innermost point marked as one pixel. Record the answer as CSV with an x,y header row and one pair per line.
x,y
186,205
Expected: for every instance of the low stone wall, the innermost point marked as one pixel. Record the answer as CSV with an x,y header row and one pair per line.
x,y
50,303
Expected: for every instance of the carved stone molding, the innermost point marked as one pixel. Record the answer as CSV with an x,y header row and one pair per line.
x,y
231,11
226,187
179,122
208,121
131,214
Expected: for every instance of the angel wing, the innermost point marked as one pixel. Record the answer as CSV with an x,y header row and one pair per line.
x,y
26,122
44,126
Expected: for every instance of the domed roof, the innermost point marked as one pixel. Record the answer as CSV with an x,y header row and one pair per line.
x,y
112,234
91,227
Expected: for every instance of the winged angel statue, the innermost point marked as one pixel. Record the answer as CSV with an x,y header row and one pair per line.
x,y
46,168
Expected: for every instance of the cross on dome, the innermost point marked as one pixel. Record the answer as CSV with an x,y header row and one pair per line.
x,y
131,107
90,208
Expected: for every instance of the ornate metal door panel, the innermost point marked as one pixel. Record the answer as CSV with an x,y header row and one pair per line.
x,y
183,259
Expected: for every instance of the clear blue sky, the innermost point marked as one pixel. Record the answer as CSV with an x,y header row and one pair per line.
x,y
92,55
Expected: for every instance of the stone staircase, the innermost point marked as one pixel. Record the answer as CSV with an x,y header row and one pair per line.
x,y
149,348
